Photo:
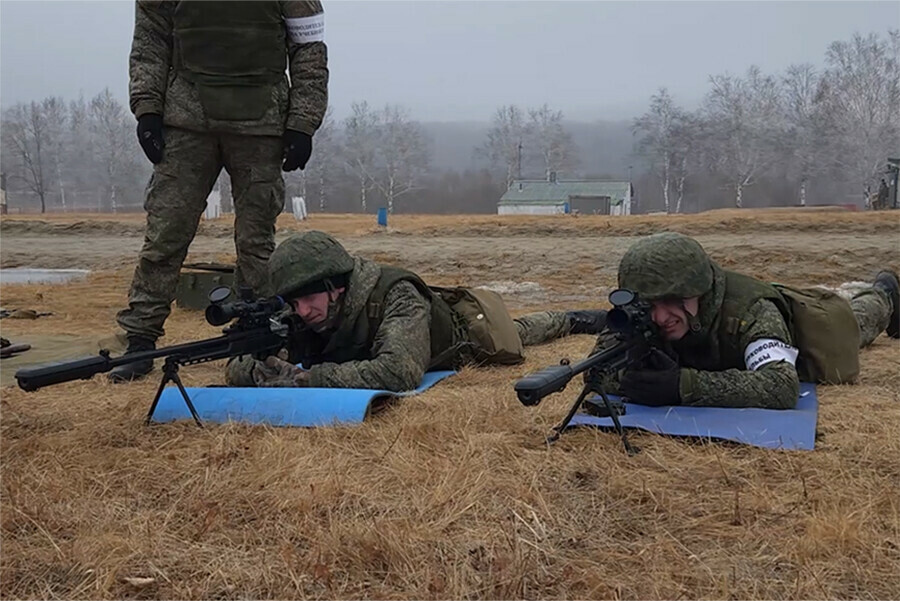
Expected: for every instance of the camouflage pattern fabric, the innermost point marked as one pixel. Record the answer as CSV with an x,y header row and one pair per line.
x,y
872,308
707,380
307,259
773,386
401,349
175,200
196,150
154,87
541,327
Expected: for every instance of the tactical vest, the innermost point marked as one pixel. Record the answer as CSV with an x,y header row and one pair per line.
x,y
822,325
445,331
233,52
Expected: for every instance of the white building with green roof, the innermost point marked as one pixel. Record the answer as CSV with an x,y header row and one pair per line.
x,y
549,197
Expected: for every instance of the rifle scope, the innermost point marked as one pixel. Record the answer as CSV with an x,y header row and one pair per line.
x,y
219,313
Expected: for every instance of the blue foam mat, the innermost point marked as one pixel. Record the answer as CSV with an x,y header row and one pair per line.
x,y
307,407
793,429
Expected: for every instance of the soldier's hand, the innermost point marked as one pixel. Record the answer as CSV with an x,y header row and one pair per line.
x,y
239,371
150,136
275,373
297,150
659,384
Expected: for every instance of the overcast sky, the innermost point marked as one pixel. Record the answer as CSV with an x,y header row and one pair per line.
x,y
456,60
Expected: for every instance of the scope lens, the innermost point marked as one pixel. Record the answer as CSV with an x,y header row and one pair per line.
x,y
617,319
217,315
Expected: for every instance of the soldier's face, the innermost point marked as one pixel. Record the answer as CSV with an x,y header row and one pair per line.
x,y
313,308
671,315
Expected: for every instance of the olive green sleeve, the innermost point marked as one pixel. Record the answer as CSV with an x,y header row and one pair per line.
x,y
401,350
774,385
309,73
151,56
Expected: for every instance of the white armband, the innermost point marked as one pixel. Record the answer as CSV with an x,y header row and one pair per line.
x,y
766,350
303,30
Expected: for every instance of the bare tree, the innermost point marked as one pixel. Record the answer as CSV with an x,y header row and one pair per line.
x,y
802,112
550,141
503,147
325,154
744,116
359,146
860,96
658,141
402,152
686,136
112,134
56,117
81,161
27,137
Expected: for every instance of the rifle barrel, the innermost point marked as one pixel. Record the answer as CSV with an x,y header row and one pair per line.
x,y
534,387
238,342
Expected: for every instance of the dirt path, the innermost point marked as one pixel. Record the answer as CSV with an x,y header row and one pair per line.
x,y
826,258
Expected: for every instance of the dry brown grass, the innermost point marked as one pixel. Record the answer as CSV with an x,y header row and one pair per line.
x,y
451,494
740,221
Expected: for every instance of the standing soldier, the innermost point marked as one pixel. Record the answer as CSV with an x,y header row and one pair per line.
x,y
882,200
209,89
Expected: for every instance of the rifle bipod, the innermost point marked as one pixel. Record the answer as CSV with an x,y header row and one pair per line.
x,y
170,373
558,429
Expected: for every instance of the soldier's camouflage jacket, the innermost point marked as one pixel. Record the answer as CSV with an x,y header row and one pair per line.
x,y
706,377
186,92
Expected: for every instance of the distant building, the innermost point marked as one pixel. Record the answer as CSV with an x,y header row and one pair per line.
x,y
552,196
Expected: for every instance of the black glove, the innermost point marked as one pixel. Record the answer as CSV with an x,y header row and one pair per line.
x,y
297,148
150,136
658,384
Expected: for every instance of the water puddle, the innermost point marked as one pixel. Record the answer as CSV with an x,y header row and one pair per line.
x,y
28,275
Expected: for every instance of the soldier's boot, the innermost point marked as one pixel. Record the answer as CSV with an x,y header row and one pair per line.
x,y
137,369
586,322
887,280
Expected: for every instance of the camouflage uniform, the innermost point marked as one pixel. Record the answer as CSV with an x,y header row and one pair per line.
x,y
202,136
401,349
706,376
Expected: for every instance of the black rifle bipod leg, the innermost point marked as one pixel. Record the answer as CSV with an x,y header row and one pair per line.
x,y
621,431
558,429
170,373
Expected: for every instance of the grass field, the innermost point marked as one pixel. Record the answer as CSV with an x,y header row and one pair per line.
x,y
453,493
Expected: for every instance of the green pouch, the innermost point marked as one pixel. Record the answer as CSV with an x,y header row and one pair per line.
x,y
235,103
492,331
826,332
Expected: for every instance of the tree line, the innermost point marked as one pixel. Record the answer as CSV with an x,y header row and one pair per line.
x,y
833,129
756,140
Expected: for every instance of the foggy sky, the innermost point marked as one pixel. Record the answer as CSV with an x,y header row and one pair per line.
x,y
457,60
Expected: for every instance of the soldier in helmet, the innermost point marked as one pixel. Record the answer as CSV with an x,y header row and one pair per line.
x,y
365,325
209,88
728,340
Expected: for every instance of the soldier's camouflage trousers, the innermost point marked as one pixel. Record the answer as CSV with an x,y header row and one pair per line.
x,y
541,327
872,308
175,200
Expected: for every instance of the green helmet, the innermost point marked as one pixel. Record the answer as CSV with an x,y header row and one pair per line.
x,y
303,264
666,265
